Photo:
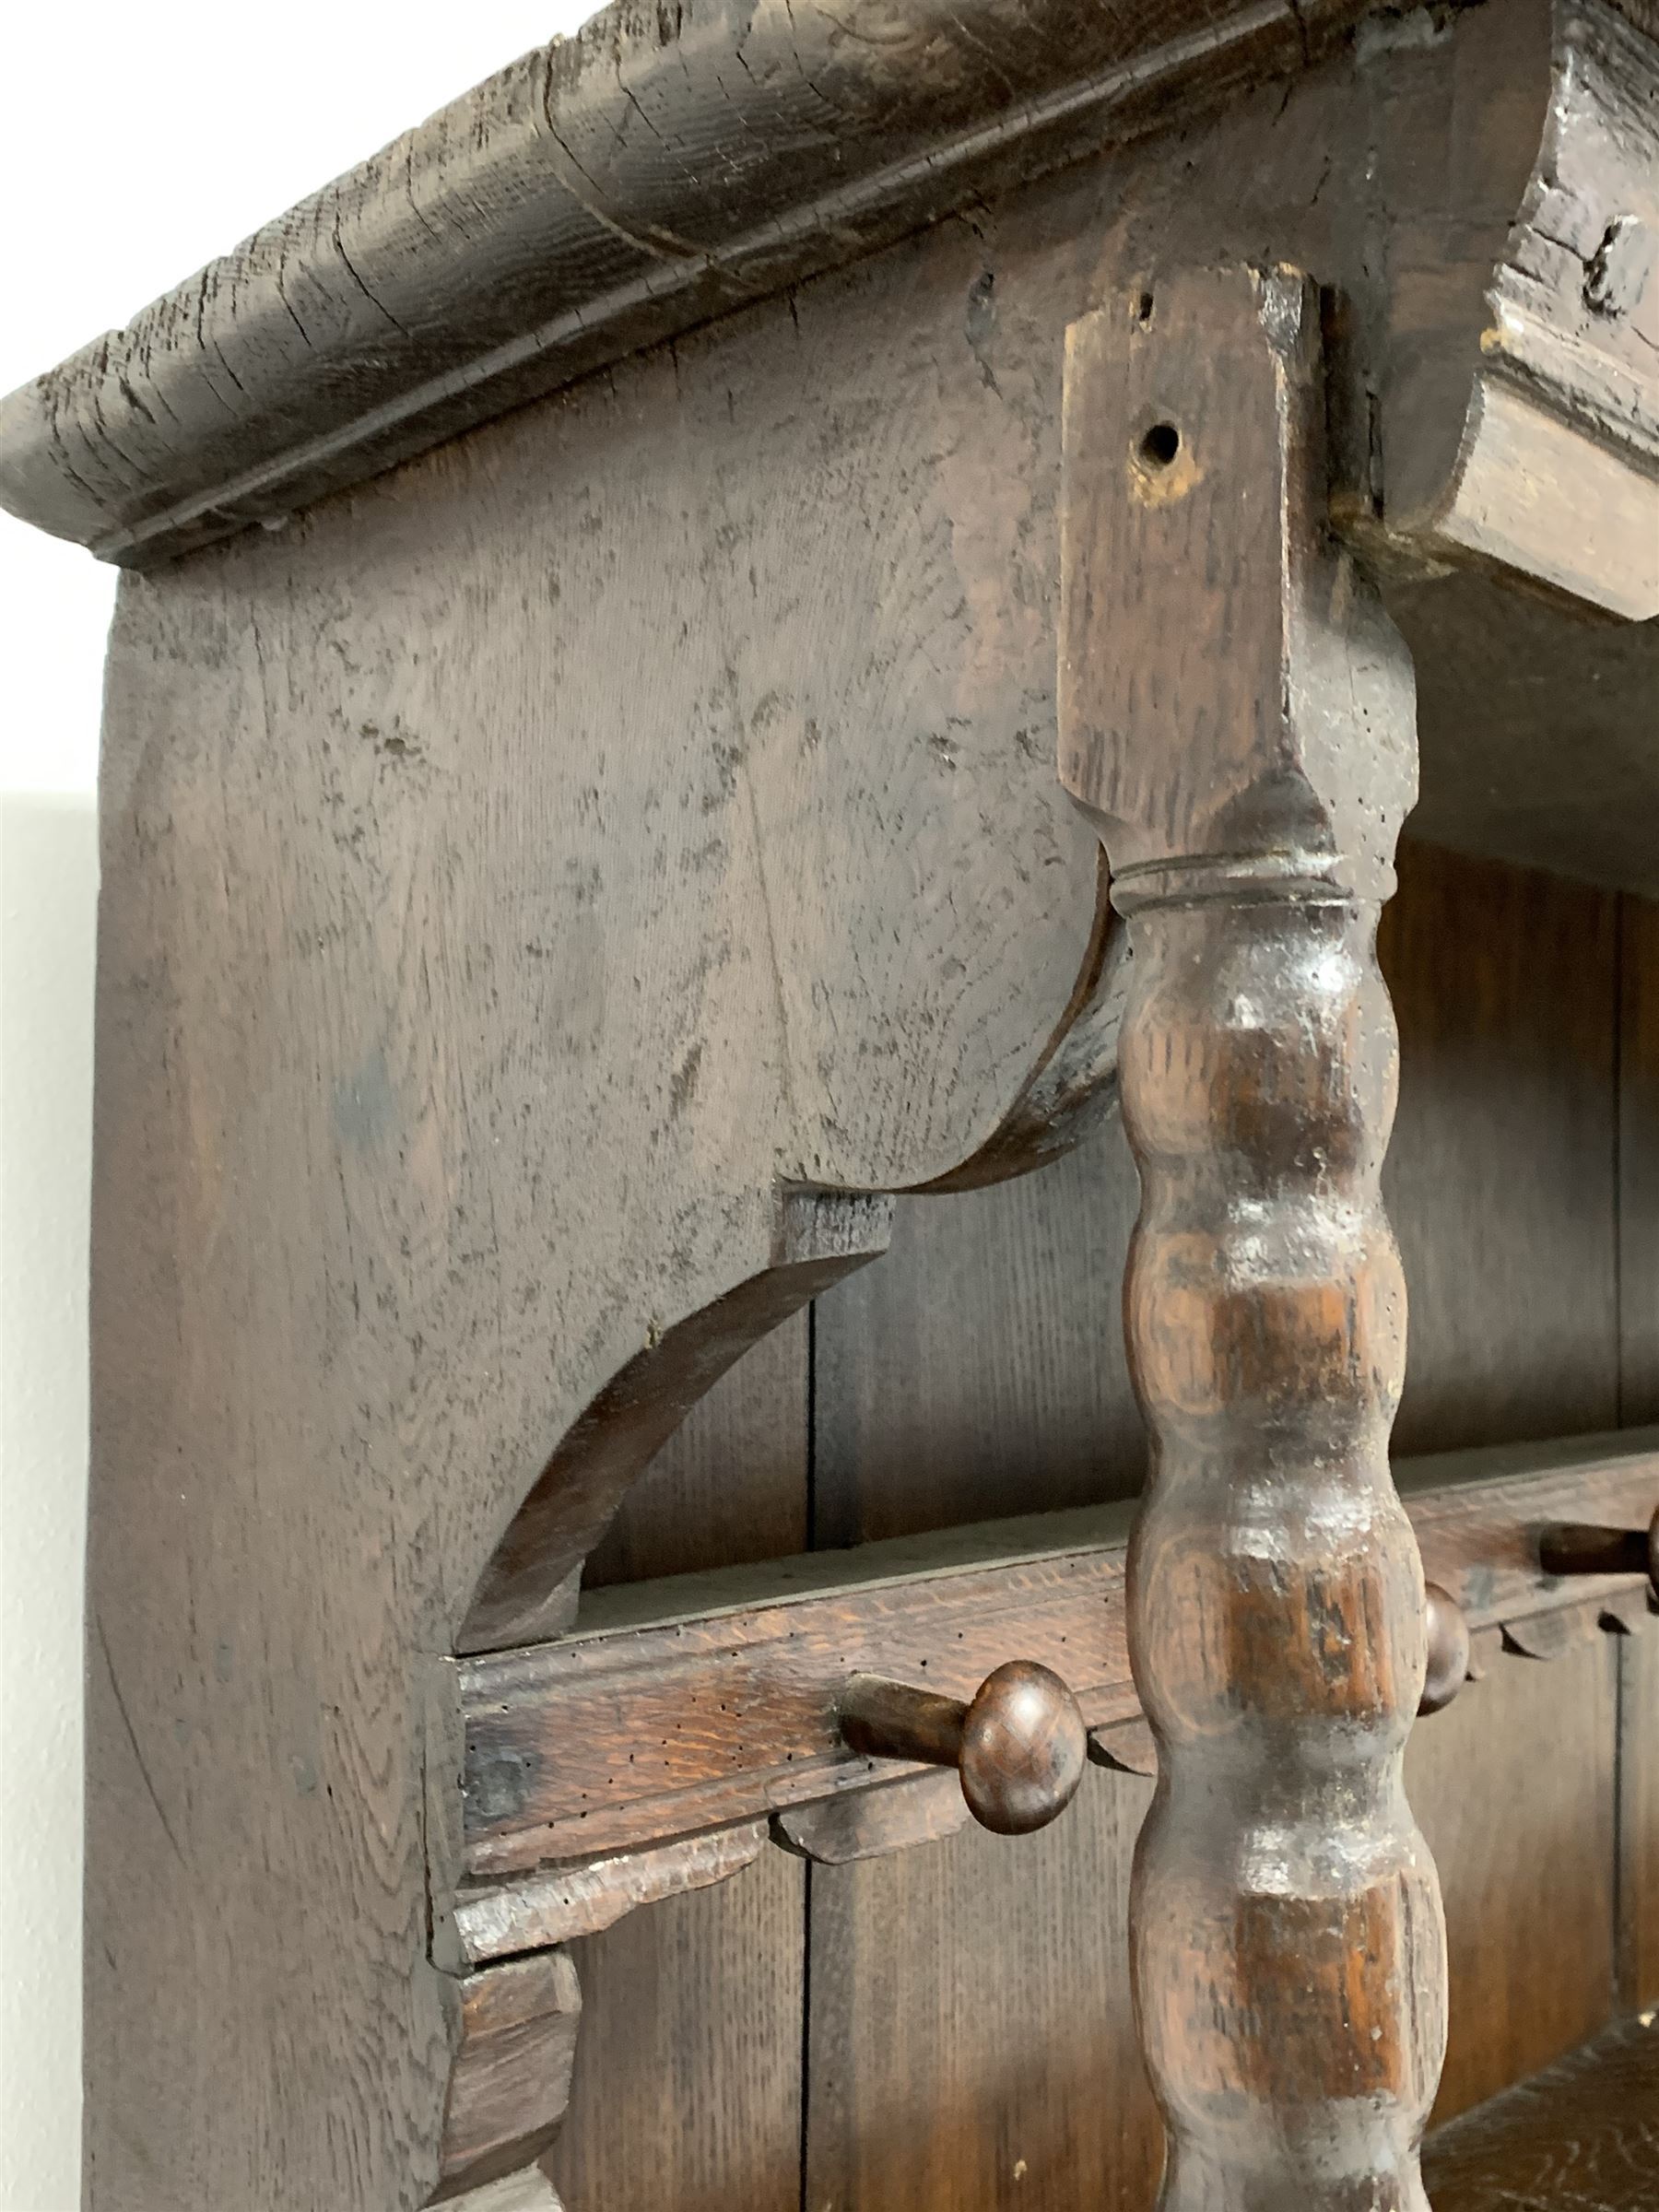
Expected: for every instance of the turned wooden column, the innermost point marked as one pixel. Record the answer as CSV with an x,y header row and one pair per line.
x,y
1237,715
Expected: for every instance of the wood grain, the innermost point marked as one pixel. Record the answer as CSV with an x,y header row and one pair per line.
x,y
600,194
558,1905
619,187
1638,1160
511,2077
972,2045
455,1039
731,1483
979,1367
867,1824
706,1700
516,870
1579,2134
1513,1786
688,2089
1237,719
1637,1962
1498,1186
1501,1169
1508,357
692,2017
1638,1867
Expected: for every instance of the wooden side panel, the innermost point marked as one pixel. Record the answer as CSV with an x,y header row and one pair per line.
x,y
967,1986
971,2043
689,2069
1638,1877
1639,1395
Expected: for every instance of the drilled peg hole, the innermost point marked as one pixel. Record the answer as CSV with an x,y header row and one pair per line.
x,y
1159,446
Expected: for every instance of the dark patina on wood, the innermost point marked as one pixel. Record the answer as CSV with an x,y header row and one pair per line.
x,y
702,1702
1236,716
552,894
1578,2137
601,193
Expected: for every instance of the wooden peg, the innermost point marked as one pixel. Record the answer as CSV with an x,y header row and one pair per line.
x,y
1448,1650
1577,1549
1020,1744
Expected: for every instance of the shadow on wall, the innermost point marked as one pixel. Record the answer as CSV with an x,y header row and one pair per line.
x,y
48,895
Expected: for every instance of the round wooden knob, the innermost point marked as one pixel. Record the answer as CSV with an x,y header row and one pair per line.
x,y
1020,1744
1024,1747
1448,1651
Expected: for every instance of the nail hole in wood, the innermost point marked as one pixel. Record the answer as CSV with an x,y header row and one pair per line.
x,y
1159,446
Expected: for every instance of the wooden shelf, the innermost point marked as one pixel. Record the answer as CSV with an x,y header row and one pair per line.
x,y
1579,2134
647,1752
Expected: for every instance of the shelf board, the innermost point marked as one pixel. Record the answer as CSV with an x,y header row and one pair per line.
x,y
1584,2134
698,1703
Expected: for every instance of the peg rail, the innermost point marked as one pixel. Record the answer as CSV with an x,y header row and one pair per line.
x,y
655,1749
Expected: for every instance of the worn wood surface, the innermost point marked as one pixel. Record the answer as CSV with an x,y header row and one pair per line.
x,y
1637,1962
510,2082
1579,2134
994,1319
867,1824
439,1082
673,2083
562,1902
688,2089
1506,361
394,868
706,1700
599,1742
1509,1246
970,2042
606,191
621,185
1637,1873
1237,719
731,1483
1502,1170
1514,1788
970,2046
1639,1161
915,1965
1018,1747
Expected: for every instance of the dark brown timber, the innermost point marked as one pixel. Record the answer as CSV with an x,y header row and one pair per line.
x,y
1448,1650
557,889
1236,716
1020,1744
1578,2137
699,1703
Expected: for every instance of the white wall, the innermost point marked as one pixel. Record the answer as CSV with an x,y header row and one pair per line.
x,y
139,142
